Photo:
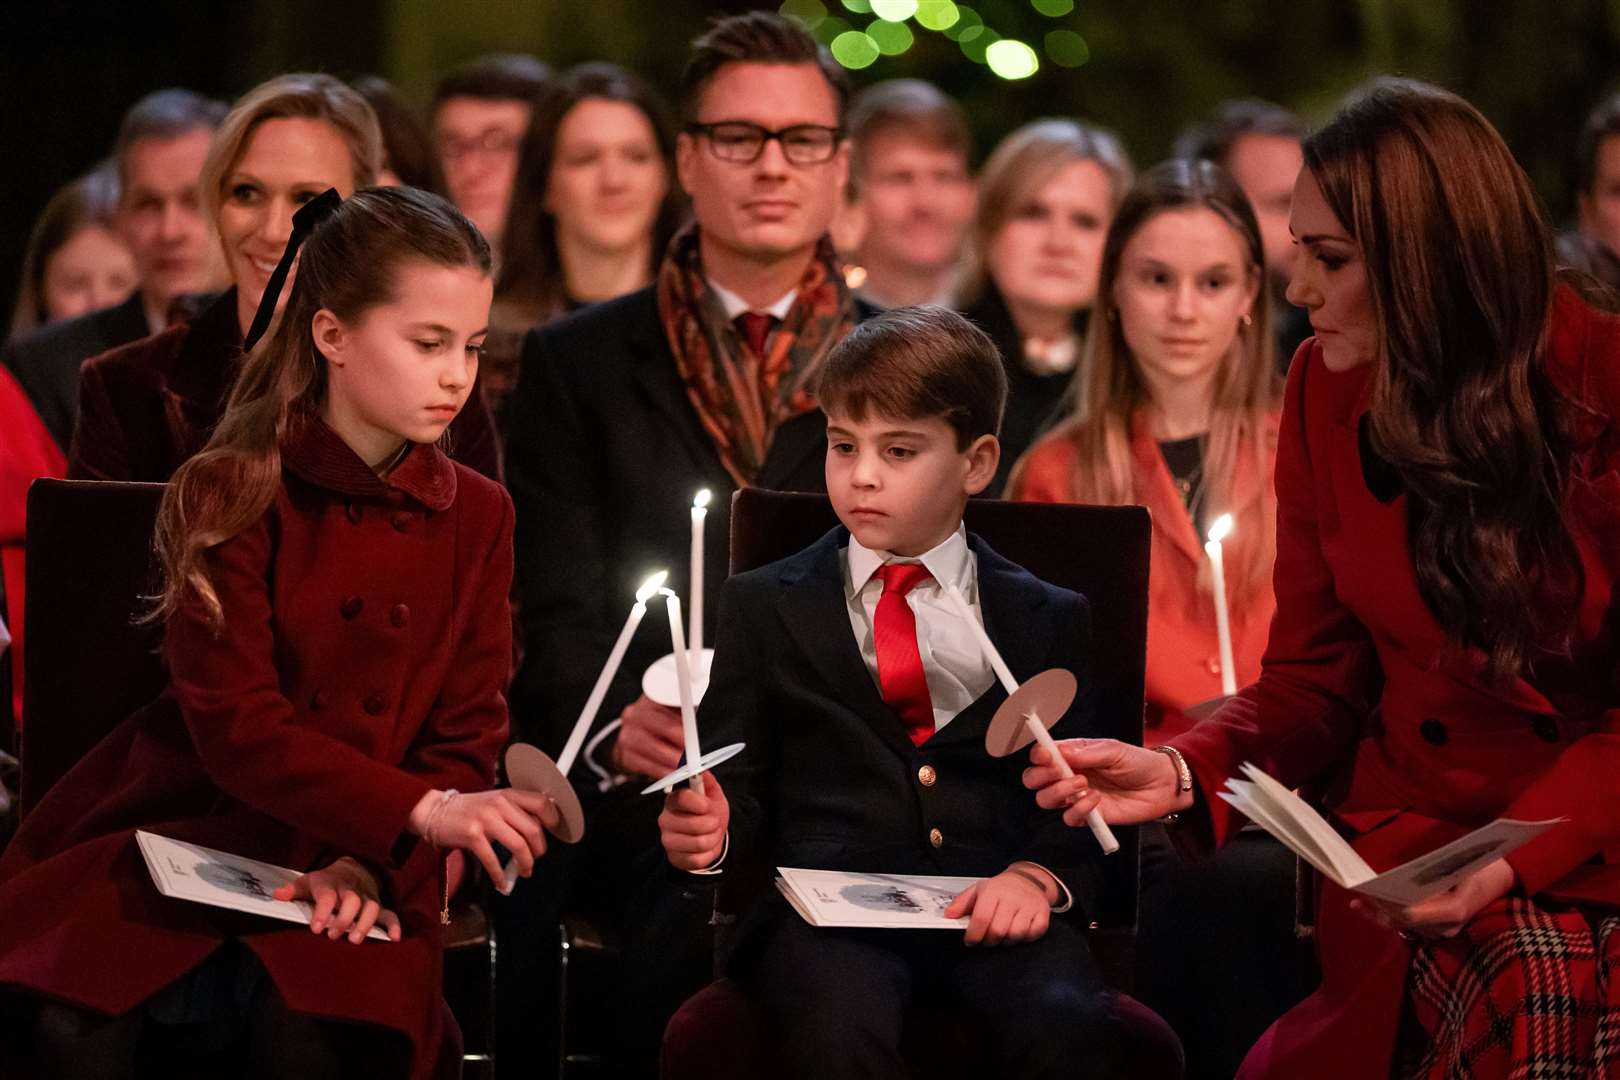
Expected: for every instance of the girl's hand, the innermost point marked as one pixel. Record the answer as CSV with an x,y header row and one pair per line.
x,y
1130,783
1444,914
475,822
346,899
1004,910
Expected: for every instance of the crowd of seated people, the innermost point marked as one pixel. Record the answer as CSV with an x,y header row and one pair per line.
x,y
431,394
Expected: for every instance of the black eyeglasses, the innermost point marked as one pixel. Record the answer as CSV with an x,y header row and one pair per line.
x,y
741,143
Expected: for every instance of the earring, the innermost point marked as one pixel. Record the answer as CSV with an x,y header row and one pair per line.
x,y
1248,320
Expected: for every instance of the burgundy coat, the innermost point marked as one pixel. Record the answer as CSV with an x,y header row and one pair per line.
x,y
146,407
364,661
1361,691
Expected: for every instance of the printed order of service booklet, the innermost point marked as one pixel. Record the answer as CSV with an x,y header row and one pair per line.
x,y
873,901
1272,806
205,876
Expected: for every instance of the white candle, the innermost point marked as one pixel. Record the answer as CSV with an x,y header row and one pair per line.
x,y
683,679
700,511
1094,820
1219,531
593,704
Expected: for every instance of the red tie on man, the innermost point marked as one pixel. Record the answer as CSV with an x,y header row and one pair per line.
x,y
755,327
900,666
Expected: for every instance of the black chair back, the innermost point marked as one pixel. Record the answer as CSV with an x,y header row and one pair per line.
x,y
1099,551
89,664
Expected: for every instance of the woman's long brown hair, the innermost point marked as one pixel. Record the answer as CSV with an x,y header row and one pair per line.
x,y
1109,392
1460,266
350,263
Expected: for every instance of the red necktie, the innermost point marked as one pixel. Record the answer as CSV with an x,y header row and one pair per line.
x,y
755,328
900,666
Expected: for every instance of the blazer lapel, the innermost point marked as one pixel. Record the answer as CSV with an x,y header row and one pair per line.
x,y
817,619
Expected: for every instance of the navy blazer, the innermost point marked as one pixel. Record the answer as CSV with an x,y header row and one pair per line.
x,y
830,779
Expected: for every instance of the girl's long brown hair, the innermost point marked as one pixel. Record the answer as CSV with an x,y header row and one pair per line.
x,y
1109,392
350,263
1460,266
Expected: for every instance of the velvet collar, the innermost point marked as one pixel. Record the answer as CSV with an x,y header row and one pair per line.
x,y
315,453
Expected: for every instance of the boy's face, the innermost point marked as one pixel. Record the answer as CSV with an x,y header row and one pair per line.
x,y
900,485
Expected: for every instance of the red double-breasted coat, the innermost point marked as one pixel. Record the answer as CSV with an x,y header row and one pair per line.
x,y
1361,690
1183,649
363,661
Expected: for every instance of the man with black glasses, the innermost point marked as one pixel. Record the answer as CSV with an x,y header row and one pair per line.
x,y
622,412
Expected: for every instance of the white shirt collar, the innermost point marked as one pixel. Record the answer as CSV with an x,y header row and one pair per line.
x,y
736,305
949,562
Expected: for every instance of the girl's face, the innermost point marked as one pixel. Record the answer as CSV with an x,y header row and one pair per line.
x,y
287,162
402,370
93,270
607,178
1184,283
1330,280
1047,256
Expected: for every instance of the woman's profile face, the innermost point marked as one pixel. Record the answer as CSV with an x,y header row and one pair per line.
x,y
1048,254
1184,284
607,178
1329,280
93,270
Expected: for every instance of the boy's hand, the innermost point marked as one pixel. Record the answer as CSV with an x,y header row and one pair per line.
x,y
1005,910
650,743
693,826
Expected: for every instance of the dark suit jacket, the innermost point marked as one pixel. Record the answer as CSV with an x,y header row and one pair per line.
x,y
604,455
830,779
46,362
146,407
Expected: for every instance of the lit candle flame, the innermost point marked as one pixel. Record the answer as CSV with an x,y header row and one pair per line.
x,y
701,499
651,586
1220,529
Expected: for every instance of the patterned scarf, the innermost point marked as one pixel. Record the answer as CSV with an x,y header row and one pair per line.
x,y
740,396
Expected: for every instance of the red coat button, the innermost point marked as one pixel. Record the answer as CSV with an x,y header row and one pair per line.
x,y
401,521
1214,665
354,513
350,608
374,705
317,700
399,615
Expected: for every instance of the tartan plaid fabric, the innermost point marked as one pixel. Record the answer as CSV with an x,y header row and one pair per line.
x,y
740,396
1522,993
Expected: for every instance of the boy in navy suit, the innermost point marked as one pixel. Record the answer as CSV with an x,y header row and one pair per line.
x,y
864,700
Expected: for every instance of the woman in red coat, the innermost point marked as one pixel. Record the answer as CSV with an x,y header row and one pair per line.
x,y
1176,408
1448,486
27,453
338,645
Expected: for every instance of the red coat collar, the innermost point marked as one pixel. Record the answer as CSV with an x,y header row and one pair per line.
x,y
315,453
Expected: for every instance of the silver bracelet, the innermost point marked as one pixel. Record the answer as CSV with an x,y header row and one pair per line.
x,y
431,825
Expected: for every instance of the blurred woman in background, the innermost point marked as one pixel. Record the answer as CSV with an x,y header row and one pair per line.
x,y
75,263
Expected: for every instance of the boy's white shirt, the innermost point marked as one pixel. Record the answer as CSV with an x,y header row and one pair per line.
x,y
957,670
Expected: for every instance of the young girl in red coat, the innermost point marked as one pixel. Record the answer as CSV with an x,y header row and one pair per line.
x,y
338,644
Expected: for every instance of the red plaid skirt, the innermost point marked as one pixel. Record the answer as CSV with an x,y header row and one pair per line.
x,y
1522,993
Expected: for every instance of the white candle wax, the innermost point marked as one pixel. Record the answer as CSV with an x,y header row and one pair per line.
x,y
1223,626
700,512
593,704
683,678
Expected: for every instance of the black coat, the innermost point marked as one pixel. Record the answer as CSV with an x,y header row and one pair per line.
x,y
830,779
604,454
1035,403
46,362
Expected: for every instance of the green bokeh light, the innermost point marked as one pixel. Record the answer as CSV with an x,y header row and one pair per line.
x,y
966,20
937,14
1067,48
894,10
859,7
1012,59
893,38
854,49
975,47
1053,9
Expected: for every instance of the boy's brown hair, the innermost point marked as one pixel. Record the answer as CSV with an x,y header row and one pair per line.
x,y
914,363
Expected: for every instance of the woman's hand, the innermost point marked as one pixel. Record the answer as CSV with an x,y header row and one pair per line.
x,y
477,821
346,900
650,742
1004,910
1130,783
1444,914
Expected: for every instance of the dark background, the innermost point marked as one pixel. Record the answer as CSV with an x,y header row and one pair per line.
x,y
68,70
